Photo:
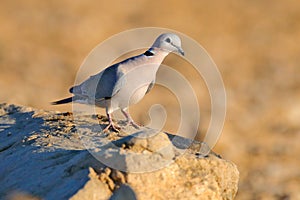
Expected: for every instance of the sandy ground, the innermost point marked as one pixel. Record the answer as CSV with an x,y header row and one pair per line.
x,y
255,45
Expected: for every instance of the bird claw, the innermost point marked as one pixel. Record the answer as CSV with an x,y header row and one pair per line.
x,y
114,128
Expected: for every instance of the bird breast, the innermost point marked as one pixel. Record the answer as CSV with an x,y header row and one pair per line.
x,y
134,87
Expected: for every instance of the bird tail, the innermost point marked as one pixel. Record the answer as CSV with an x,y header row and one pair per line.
x,y
63,101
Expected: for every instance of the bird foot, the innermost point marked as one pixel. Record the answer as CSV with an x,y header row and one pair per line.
x,y
135,125
115,128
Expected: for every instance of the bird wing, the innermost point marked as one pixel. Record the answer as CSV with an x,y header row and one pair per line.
x,y
102,85
108,82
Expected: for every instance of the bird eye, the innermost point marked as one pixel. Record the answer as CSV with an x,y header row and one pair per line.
x,y
168,40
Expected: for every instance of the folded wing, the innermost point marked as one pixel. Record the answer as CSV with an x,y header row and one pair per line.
x,y
102,85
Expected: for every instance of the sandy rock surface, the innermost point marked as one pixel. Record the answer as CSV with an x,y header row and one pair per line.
x,y
51,155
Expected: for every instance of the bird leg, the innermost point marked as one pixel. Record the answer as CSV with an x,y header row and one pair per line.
x,y
129,119
111,124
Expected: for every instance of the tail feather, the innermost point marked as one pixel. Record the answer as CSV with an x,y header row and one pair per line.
x,y
63,101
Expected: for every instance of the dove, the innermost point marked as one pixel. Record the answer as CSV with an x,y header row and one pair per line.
x,y
125,83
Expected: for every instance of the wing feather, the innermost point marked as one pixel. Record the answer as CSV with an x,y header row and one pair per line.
x,y
102,85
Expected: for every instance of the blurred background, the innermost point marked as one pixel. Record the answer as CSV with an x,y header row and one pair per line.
x,y
255,44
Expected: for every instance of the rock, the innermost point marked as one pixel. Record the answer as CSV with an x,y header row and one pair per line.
x,y
93,189
188,178
53,155
143,151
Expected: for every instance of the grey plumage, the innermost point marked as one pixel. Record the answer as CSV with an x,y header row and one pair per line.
x,y
125,83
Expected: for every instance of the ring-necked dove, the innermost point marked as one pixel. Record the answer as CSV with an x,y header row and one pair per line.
x,y
125,83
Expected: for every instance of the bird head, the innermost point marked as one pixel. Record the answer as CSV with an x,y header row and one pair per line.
x,y
169,42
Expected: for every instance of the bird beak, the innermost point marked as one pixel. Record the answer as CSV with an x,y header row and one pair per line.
x,y
180,50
